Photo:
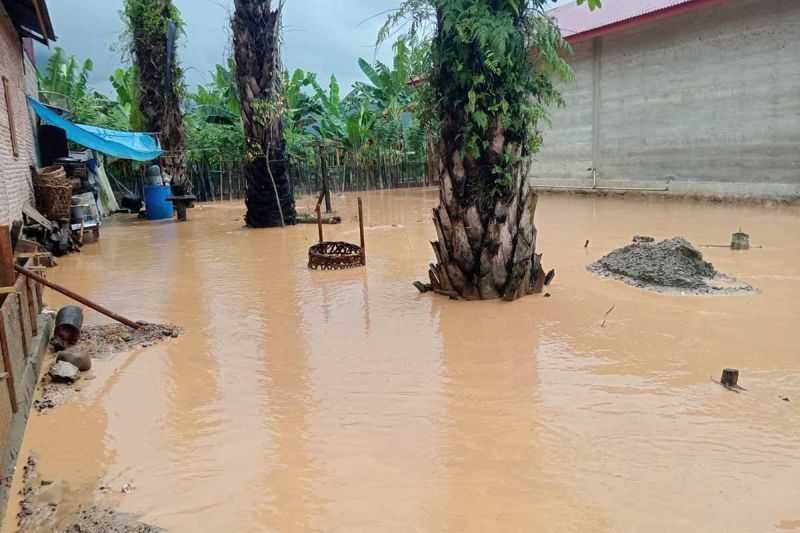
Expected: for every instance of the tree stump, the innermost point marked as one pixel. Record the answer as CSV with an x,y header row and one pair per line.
x,y
730,377
740,241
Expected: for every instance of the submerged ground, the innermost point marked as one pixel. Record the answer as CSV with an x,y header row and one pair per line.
x,y
346,401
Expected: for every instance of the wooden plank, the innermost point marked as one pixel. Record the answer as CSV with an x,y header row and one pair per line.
x,y
12,127
10,383
7,275
31,307
40,19
33,213
23,330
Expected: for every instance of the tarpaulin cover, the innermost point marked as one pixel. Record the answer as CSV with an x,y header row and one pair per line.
x,y
120,144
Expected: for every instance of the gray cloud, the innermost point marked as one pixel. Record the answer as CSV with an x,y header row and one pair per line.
x,y
323,36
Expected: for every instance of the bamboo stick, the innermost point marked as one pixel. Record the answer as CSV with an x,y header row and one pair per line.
x,y
361,230
77,297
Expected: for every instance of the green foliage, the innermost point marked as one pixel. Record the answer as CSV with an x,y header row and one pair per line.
x,y
494,67
213,120
381,117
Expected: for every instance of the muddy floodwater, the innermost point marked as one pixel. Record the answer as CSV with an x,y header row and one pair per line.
x,y
348,402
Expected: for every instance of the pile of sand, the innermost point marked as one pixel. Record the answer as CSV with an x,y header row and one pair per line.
x,y
670,265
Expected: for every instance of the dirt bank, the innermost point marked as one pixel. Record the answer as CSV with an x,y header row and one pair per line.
x,y
667,266
46,505
99,342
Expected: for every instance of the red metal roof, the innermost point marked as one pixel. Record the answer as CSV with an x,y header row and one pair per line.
x,y
578,23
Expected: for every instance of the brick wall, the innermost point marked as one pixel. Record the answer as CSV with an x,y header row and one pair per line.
x,y
15,177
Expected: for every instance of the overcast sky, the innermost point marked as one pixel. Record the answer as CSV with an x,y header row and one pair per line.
x,y
323,36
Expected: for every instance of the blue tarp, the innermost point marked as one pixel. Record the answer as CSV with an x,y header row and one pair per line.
x,y
120,144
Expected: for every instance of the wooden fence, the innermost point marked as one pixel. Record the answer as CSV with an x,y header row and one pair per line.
x,y
213,182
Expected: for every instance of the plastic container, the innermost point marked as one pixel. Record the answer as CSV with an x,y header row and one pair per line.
x,y
155,204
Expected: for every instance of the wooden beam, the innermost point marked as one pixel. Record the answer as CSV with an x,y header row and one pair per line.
x,y
10,383
7,276
12,126
40,19
23,333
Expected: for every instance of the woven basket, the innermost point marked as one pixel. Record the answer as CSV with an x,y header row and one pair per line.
x,y
54,175
53,201
335,255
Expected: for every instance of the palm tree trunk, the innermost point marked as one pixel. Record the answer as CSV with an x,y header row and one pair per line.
x,y
486,246
269,196
159,78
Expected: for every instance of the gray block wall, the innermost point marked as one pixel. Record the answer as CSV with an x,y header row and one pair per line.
x,y
704,103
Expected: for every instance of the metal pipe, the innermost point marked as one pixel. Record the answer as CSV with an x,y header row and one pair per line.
x,y
77,297
567,187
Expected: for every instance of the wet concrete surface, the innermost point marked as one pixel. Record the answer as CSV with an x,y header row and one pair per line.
x,y
346,401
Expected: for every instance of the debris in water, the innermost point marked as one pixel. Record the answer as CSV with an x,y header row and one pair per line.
x,y
587,244
672,264
95,342
422,287
81,360
606,315
47,505
730,377
107,339
64,372
740,241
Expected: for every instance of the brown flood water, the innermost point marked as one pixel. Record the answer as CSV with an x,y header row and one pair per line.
x,y
346,401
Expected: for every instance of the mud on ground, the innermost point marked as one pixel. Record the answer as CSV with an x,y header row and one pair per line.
x,y
46,506
100,342
672,265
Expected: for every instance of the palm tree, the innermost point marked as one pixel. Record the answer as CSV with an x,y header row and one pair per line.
x,y
269,197
494,62
152,27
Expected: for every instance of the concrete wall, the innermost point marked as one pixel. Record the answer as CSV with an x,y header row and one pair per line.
x,y
707,102
15,176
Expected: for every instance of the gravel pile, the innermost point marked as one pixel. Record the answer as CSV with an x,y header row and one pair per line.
x,y
669,265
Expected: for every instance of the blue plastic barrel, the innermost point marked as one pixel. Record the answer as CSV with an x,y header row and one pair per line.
x,y
155,204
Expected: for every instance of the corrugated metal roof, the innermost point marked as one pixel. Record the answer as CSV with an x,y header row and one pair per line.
x,y
575,20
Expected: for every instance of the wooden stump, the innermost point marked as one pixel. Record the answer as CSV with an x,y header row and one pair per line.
x,y
180,207
730,377
740,241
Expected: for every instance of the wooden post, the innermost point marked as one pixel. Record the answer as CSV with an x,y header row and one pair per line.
x,y
10,382
730,377
31,307
25,347
361,231
319,222
7,276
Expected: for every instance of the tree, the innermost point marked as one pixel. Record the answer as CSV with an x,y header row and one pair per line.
x,y
256,31
494,65
152,28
